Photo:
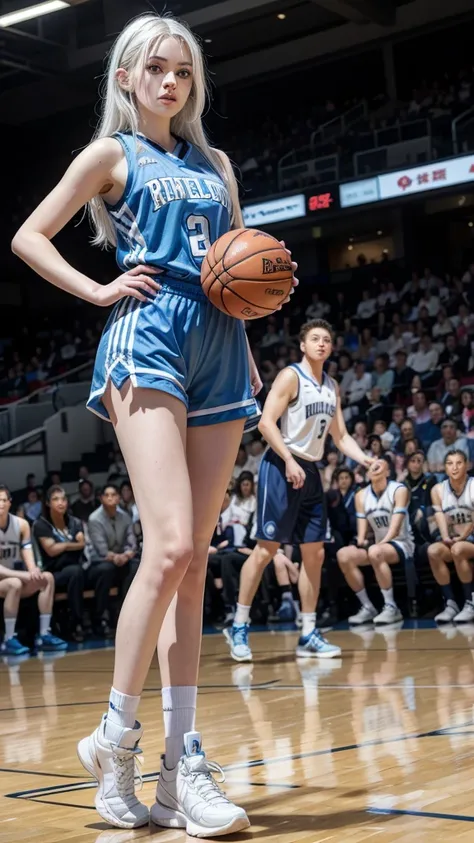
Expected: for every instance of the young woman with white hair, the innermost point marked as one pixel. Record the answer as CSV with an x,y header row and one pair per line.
x,y
177,380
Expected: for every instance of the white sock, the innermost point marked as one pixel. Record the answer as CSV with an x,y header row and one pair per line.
x,y
364,599
309,622
45,624
10,624
122,709
388,596
242,614
179,714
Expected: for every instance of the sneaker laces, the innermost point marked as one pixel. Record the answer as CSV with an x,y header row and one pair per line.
x,y
199,769
127,771
317,638
240,636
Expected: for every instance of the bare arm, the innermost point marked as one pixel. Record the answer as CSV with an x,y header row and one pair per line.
x,y
89,175
440,517
53,548
361,518
27,547
400,512
343,441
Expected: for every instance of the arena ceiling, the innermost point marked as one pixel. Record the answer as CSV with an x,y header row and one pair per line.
x,y
51,63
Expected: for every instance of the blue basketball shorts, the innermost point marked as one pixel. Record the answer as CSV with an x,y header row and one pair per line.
x,y
179,343
287,515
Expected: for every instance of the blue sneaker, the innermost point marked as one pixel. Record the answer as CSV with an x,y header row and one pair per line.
x,y
13,647
49,643
315,645
237,638
287,611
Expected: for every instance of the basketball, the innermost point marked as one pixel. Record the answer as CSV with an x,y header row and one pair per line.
x,y
247,273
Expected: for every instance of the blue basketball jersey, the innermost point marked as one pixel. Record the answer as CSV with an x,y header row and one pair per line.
x,y
173,207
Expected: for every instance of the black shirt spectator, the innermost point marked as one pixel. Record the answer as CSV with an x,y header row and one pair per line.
x,y
65,542
451,400
420,486
402,375
86,503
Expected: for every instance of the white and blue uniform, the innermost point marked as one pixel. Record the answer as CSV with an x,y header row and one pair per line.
x,y
458,509
284,514
173,207
11,544
379,511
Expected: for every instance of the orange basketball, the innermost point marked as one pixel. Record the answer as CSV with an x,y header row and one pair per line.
x,y
247,273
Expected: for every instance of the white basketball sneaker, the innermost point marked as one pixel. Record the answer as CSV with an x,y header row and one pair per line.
x,y
449,613
389,614
112,763
365,615
466,615
189,797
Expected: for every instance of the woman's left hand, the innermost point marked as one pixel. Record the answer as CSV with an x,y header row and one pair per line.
x,y
295,280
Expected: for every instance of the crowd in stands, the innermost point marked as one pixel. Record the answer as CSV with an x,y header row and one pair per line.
x,y
257,151
38,355
404,360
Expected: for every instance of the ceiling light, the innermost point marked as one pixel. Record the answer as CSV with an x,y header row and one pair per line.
x,y
208,40
379,232
281,16
350,248
470,223
30,12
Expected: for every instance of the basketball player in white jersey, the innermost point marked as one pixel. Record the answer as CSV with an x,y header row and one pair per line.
x,y
291,503
16,553
453,504
382,505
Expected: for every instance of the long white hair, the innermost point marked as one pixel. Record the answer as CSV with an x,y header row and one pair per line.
x,y
120,114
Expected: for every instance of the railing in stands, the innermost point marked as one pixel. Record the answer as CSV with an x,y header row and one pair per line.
x,y
460,124
30,412
33,442
338,125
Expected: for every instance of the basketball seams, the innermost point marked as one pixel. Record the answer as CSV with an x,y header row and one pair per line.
x,y
237,235
256,306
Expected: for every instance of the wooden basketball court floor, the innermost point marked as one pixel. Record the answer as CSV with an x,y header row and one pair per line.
x,y
377,745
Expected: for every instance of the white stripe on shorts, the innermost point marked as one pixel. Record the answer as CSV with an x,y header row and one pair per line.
x,y
222,408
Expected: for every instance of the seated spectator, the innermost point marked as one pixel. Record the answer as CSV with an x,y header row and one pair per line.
x,y
424,360
328,471
32,507
382,376
357,392
451,400
419,410
60,538
450,355
430,300
398,414
317,309
402,375
394,344
86,503
367,307
117,467
376,448
442,327
367,347
449,440
112,540
420,485
347,487
430,431
467,414
375,408
407,431
127,501
242,506
240,462
254,458
20,578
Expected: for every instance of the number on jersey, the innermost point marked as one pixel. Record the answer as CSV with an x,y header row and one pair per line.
x,y
199,235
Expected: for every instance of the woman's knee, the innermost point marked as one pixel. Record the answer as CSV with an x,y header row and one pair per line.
x,y
13,584
175,558
375,555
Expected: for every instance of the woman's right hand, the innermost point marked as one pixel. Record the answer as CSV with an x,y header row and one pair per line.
x,y
135,283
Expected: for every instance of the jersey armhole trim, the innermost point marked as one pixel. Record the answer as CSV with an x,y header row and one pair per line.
x,y
130,174
295,400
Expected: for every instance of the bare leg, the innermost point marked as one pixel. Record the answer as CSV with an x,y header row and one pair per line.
x,y
439,555
151,430
252,570
350,559
10,590
211,452
309,583
381,557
